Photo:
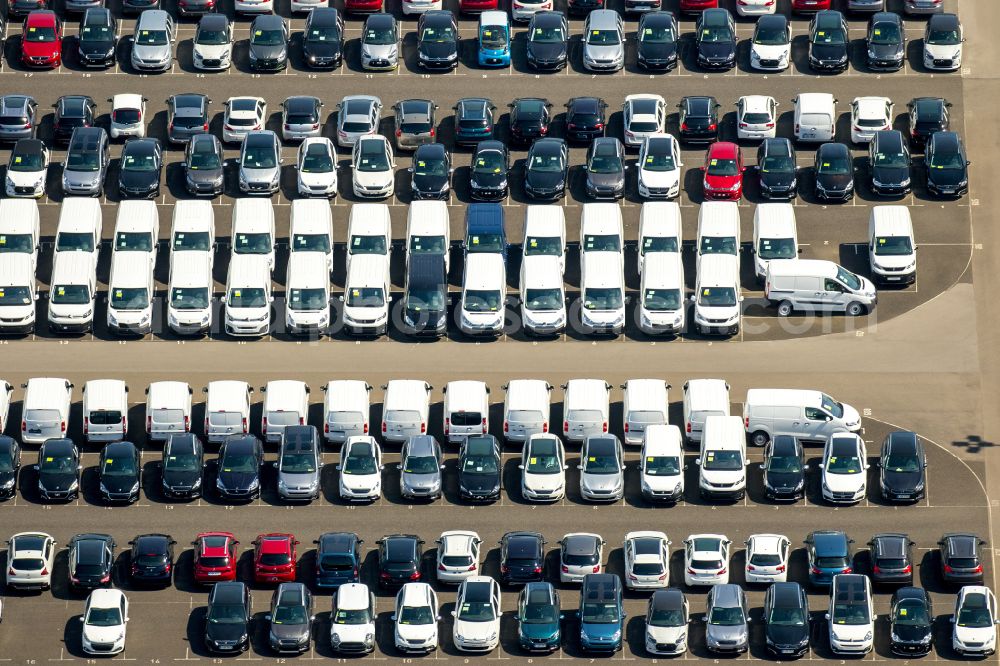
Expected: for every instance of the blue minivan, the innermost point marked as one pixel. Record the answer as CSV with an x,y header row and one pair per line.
x,y
602,615
494,39
485,230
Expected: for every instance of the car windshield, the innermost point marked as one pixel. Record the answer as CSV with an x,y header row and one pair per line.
x,y
95,33
259,157
23,243
139,241
850,614
41,33
553,35
489,162
546,163
885,33
239,462
360,463
719,166
609,162
83,160
662,465
410,615
126,116
540,613
604,37
726,616
484,242
226,614
482,300
431,167
438,35
26,162
204,158
543,299
476,611
896,160
944,37
104,617
372,157
152,38
493,37
365,297
311,243
253,243
601,464
352,616
828,36
852,281
183,462
70,294
543,458
911,613
267,37
543,245
336,562
777,248
974,612
325,33
771,35
721,297
380,36
298,463
118,466
657,34
150,559
902,462
777,164
420,465
317,160
723,460
756,117
425,299
787,617
428,245
301,300
602,243
893,245
57,465
844,465
662,300
831,562
603,298
290,615
129,298
715,34
475,464
247,297
596,612
143,161
666,617
192,240
189,298
15,296
659,156
946,160
210,37
784,464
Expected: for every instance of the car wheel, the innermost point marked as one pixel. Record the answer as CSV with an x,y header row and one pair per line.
x,y
855,309
759,438
784,308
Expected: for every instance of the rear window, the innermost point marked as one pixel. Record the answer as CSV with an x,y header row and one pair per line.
x,y
105,417
815,119
27,564
126,116
214,562
36,415
646,417
525,416
580,560
585,415
402,415
466,418
762,560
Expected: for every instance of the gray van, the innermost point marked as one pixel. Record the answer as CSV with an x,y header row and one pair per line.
x,y
86,162
298,463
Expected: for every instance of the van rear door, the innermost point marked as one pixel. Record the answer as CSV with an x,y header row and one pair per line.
x,y
399,424
43,423
341,425
581,423
105,425
164,422
523,423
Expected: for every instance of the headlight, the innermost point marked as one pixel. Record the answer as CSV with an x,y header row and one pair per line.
x,y
871,53
8,484
842,58
196,484
135,487
493,636
958,54
369,639
219,484
617,635
868,636
255,484
104,488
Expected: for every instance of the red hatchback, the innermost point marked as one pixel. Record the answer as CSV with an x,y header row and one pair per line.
x,y
362,6
215,556
274,558
476,6
810,5
698,5
723,172
41,41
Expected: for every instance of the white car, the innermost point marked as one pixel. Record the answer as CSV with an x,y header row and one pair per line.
x,y
660,167
851,615
706,559
372,164
360,469
521,12
869,115
580,553
458,556
661,464
27,169
845,468
411,7
543,468
755,7
316,168
767,558
771,44
128,115
943,39
243,115
30,556
477,615
213,43
357,117
643,115
415,618
352,620
974,631
253,7
105,619
667,623
647,560
756,117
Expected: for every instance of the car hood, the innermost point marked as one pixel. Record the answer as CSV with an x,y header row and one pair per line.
x,y
834,181
267,51
475,630
662,482
844,482
600,481
717,50
212,51
786,635
138,178
783,480
316,178
103,634
57,482
598,52
373,178
204,175
286,631
25,178
890,175
437,50
40,48
849,632
944,51
736,632
606,179
98,48
721,181
660,178
828,52
237,480
6,477
947,176
489,179
599,631
430,183
652,51
180,478
418,481
352,633
160,52
303,479
895,261
885,51
667,634
547,52
544,482
544,179
910,633
119,484
771,51
353,481
416,632
258,175
379,50
321,49
778,178
82,177
225,631
479,482
538,631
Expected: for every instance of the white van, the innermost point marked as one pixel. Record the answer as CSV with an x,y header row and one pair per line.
x,y
774,235
168,409
366,296
137,228
45,411
6,391
248,296
703,398
526,408
310,229
105,410
815,285
130,294
545,233
602,289
717,296
645,403
722,460
192,229
307,293
719,229
815,117
662,306
80,226
73,293
286,402
253,229
428,230
661,464
484,294
405,409
543,298
601,232
586,408
227,410
659,229
189,294
892,251
18,293
20,228
369,231
346,409
466,410
803,414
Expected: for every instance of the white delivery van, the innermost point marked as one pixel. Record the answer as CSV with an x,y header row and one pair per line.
x,y
18,293
645,403
248,296
105,410
543,298
367,295
130,294
20,228
286,402
722,460
806,415
369,231
137,228
815,285
545,233
189,294
192,229
428,230
774,235
73,293
484,295
719,229
253,229
168,409
601,231
661,464
892,251
602,290
662,306
586,408
310,229
717,296
227,410
466,410
346,409
526,408
405,409
307,293
703,398
815,117
45,411
6,391
80,226
659,229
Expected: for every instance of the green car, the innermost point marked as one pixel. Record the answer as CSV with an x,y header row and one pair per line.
x,y
538,616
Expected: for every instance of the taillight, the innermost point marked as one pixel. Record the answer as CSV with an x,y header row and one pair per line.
x,y
769,125
796,128
326,428
399,133
149,424
978,569
302,420
565,426
365,429
384,575
713,127
484,426
105,579
385,428
744,125
423,428
599,126
206,424
746,421
780,568
545,426
538,569
86,424
846,570
751,567
263,426
415,575
246,426
948,569
447,425
684,126
504,568
692,571
626,427
433,131
24,426
604,427
187,423
506,427
722,572
687,427
442,567
11,571
565,569
45,571
205,126
597,568
62,426
908,569
876,569
473,567
124,425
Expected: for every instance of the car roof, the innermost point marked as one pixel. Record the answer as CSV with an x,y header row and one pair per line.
x,y
929,106
29,147
962,545
268,22
160,541
74,103
10,103
756,103
715,16
911,594
213,21
772,21
727,595
828,18
437,17
523,544
400,548
830,543
601,445
41,17
724,149
119,449
380,20
457,543
29,541
275,543
889,140
657,18
669,599
786,595
603,19
301,103
946,21
229,591
698,105
421,445
890,545
833,149
91,550
946,140
338,542
105,598
581,544
585,104
784,445
58,447
601,587
546,19
324,17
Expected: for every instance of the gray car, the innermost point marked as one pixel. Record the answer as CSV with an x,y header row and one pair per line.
x,y
380,42
727,619
420,469
268,43
299,463
17,117
602,469
606,168
153,42
301,118
260,163
86,162
204,165
604,41
357,116
187,115
291,618
415,123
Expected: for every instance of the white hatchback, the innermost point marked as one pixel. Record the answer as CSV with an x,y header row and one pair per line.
x,y
105,619
756,117
647,560
243,115
360,469
706,559
767,558
845,469
477,615
755,7
458,556
974,631
416,618
30,556
659,167
869,115
316,168
372,164
543,469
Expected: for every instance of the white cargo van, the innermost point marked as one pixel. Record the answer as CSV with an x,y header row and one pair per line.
x,y
543,298
659,229
815,117
703,398
719,229
189,294
130,294
428,230
722,460
45,411
586,408
662,306
366,296
815,285
526,408
545,233
892,251
717,296
661,464
137,228
6,391
18,293
602,289
484,295
645,403
346,409
369,231
193,229
105,410
19,228
803,414
405,409
601,231
774,235
286,402
248,296
80,226
311,229
466,410
73,293
227,410
253,231
307,293
168,409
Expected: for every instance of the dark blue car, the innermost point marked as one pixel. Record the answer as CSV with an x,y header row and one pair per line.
x,y
473,120
602,616
829,554
338,559
485,230
538,616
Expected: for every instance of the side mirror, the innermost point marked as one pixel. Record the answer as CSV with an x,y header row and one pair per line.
x,y
579,466
453,614
826,615
81,618
34,467
520,466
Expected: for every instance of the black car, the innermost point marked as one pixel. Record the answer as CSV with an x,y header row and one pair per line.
x,y
902,467
72,111
961,559
437,40
947,165
474,120
399,557
886,41
58,470
548,41
522,557
228,618
585,118
138,6
715,39
323,38
891,558
828,42
911,622
425,297
182,465
546,169
120,472
889,162
479,468
91,561
529,119
187,115
196,7
786,620
583,6
151,561
605,169
488,171
431,172
10,466
338,559
139,169
698,119
776,169
268,43
239,463
834,172
784,469
204,165
21,8
927,116
657,46
97,39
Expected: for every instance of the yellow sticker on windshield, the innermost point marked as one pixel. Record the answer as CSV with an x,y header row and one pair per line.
x,y
833,459
49,459
714,162
480,162
649,159
3,240
532,461
881,241
109,461
650,459
826,165
706,292
877,33
227,469
421,164
706,31
593,32
118,293
475,240
355,292
592,459
647,31
534,243
902,611
61,291
17,160
258,33
821,33
237,293
31,29
497,170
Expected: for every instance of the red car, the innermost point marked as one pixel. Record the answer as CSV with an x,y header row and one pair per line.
x,y
698,5
274,558
810,5
476,6
41,41
723,172
215,556
362,6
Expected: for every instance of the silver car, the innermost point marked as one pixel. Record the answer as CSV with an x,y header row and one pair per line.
x,y
726,619
301,117
152,44
420,469
86,162
602,469
260,163
604,41
380,42
291,618
298,464
17,117
357,116
415,123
